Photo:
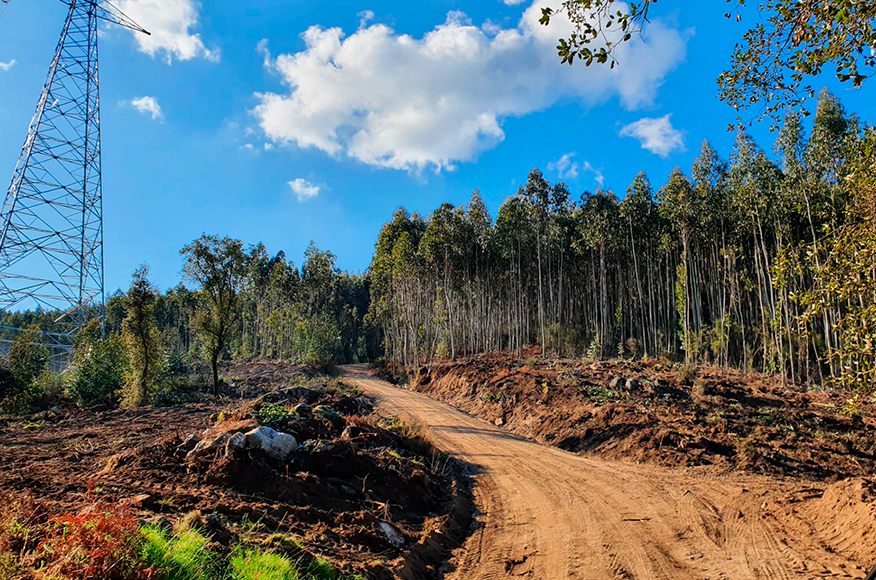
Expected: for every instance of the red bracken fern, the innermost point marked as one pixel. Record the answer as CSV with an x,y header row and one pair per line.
x,y
99,543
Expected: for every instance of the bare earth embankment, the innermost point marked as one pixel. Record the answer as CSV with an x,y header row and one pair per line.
x,y
718,514
355,473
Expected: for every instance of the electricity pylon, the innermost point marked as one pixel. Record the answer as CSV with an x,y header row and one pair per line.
x,y
51,224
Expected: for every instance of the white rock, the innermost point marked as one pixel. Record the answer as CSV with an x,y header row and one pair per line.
x,y
260,437
282,446
276,445
392,535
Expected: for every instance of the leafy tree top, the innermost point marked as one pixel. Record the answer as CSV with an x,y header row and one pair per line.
x,y
791,41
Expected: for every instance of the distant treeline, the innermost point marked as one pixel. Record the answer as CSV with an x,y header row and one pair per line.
x,y
312,314
758,262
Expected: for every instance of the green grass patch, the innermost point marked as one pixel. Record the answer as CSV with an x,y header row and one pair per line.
x,y
254,565
182,556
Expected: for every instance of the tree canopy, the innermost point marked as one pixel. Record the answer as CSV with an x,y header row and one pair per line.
x,y
790,42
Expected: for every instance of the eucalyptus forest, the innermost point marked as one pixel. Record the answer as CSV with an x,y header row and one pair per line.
x,y
763,261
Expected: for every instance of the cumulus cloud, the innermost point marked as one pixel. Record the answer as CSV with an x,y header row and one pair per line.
x,y
148,106
5,66
303,189
565,168
171,23
656,135
391,100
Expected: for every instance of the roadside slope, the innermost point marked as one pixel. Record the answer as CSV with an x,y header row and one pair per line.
x,y
548,514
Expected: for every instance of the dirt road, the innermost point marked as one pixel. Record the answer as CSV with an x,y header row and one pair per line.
x,y
547,514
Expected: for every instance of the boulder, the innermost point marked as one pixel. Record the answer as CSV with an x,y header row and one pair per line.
x,y
260,437
329,415
499,422
235,442
326,412
143,500
209,446
275,444
162,523
216,529
282,446
190,442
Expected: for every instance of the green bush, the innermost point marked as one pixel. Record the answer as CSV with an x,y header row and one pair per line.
x,y
100,365
273,416
52,384
25,362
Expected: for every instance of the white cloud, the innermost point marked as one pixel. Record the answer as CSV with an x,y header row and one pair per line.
x,y
657,135
365,17
268,147
513,2
392,100
303,190
148,106
568,169
5,66
565,168
247,147
598,177
171,23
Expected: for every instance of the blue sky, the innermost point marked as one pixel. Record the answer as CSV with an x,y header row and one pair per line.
x,y
299,121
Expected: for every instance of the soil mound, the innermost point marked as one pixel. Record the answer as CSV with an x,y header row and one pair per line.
x,y
656,412
356,484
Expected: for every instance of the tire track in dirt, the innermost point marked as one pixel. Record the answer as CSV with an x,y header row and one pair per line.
x,y
550,515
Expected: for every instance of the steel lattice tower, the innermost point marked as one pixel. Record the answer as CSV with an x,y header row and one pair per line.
x,y
51,241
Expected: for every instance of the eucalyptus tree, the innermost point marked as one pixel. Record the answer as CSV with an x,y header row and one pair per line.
x,y
640,214
712,263
599,232
678,205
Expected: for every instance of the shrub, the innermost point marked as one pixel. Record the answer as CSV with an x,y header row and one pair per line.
x,y
98,543
141,339
25,362
319,569
8,566
182,556
274,416
52,384
687,374
99,366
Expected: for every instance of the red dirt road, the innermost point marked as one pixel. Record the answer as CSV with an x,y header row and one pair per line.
x,y
547,514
